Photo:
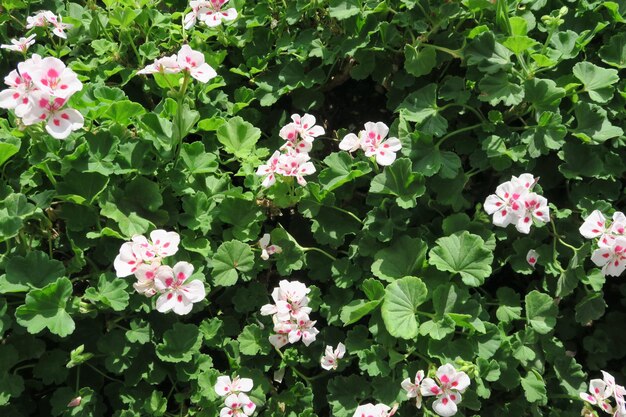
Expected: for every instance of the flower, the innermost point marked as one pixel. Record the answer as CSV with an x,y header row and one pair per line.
x,y
237,405
224,385
193,62
212,14
304,127
301,328
612,258
295,165
165,65
60,120
413,389
21,87
266,248
514,202
177,294
372,141
371,410
531,257
46,17
21,44
600,391
75,402
452,382
145,274
141,250
269,170
331,357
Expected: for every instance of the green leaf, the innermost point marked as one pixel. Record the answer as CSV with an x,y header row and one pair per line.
x,y
419,62
342,169
463,253
197,160
489,55
519,44
543,94
124,112
593,124
45,308
81,187
8,147
230,259
238,137
399,180
179,343
403,258
252,341
399,309
35,270
11,384
540,311
590,308
597,81
498,88
534,388
355,310
111,292
421,107
613,53
343,9
509,305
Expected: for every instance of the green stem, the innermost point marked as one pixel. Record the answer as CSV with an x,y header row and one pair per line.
x,y
323,252
134,48
102,373
466,107
456,132
77,379
456,53
294,369
349,213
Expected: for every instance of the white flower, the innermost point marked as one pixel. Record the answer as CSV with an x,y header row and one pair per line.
x,y
413,389
295,165
453,383
269,170
371,410
237,405
45,18
612,258
60,120
374,144
535,209
145,274
594,225
531,257
193,62
211,14
19,95
266,248
165,65
331,357
599,394
224,385
350,143
304,127
177,294
21,44
52,77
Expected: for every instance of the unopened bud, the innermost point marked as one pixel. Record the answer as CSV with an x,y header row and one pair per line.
x,y
75,402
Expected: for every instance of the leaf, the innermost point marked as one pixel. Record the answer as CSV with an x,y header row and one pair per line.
x,y
421,107
355,310
179,343
498,88
36,270
463,253
197,160
81,187
597,81
519,44
593,124
229,260
540,311
590,308
419,62
543,94
489,55
45,308
238,137
8,147
403,258
402,298
613,53
342,169
111,292
252,341
156,129
124,112
399,180
343,9
509,305
534,388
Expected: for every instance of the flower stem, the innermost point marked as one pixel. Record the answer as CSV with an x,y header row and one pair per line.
x,y
293,368
328,255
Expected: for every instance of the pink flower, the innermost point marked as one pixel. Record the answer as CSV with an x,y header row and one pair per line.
x,y
331,357
612,258
75,402
224,386
211,13
128,260
295,165
145,274
266,248
535,207
238,405
21,44
176,293
453,383
413,389
193,62
165,65
374,144
60,120
21,87
506,205
46,17
52,77
269,170
531,257
301,328
599,393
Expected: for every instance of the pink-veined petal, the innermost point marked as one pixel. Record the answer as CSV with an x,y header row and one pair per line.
x,y
444,406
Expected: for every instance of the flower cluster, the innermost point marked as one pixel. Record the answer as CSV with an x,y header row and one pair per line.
x,y
611,251
372,141
371,410
20,45
266,248
294,161
142,257
331,357
236,403
514,202
290,314
38,92
600,393
208,12
187,61
46,18
448,392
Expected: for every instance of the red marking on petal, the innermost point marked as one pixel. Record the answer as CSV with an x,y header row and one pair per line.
x,y
526,219
532,260
503,212
44,82
56,122
498,204
434,390
63,87
444,379
595,231
180,298
43,103
169,296
455,383
169,282
605,255
453,397
444,400
65,116
150,275
181,276
166,244
16,95
539,213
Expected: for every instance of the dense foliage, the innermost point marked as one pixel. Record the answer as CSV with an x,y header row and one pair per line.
x,y
374,268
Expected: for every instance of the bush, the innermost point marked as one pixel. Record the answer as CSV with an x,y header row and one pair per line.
x,y
291,208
